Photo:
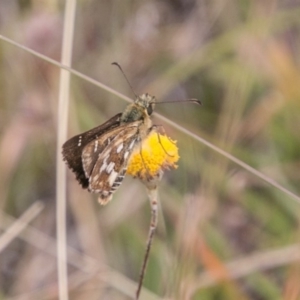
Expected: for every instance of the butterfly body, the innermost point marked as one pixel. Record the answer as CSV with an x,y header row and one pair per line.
x,y
99,157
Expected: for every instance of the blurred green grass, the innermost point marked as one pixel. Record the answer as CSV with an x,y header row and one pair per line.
x,y
241,59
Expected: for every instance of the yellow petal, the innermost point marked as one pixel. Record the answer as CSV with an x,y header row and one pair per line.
x,y
157,153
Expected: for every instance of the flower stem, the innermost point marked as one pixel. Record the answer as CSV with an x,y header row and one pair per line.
x,y
152,194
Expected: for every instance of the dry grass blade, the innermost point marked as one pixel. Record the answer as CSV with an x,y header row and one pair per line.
x,y
20,224
63,106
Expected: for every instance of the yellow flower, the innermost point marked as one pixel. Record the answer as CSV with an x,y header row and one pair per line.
x,y
156,154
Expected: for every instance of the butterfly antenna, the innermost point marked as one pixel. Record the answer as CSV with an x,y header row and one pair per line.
x,y
116,64
192,100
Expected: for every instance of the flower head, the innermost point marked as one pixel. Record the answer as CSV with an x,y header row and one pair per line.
x,y
156,154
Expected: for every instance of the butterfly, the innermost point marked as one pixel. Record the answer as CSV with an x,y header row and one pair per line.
x,y
99,157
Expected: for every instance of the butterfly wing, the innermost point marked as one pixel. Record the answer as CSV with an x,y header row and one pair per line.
x,y
106,166
72,149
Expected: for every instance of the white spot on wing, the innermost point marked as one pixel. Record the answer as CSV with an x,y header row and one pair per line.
x,y
126,155
79,141
96,146
110,167
120,147
103,167
131,144
112,177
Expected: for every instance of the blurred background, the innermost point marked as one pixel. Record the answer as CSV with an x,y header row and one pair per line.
x,y
223,233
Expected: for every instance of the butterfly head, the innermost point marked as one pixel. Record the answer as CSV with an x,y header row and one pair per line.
x,y
141,109
146,102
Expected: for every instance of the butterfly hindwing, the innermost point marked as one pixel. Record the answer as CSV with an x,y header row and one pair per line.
x,y
110,166
72,149
92,150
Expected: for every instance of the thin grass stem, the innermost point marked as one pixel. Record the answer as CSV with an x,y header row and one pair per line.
x,y
64,91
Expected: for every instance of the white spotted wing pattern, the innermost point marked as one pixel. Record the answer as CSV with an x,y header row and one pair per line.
x,y
106,166
99,157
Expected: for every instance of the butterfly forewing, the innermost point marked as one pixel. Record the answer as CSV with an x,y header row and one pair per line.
x,y
107,170
72,149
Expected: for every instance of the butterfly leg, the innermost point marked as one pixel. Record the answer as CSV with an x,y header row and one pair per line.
x,y
158,136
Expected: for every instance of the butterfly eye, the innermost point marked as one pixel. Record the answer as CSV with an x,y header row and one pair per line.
x,y
150,109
